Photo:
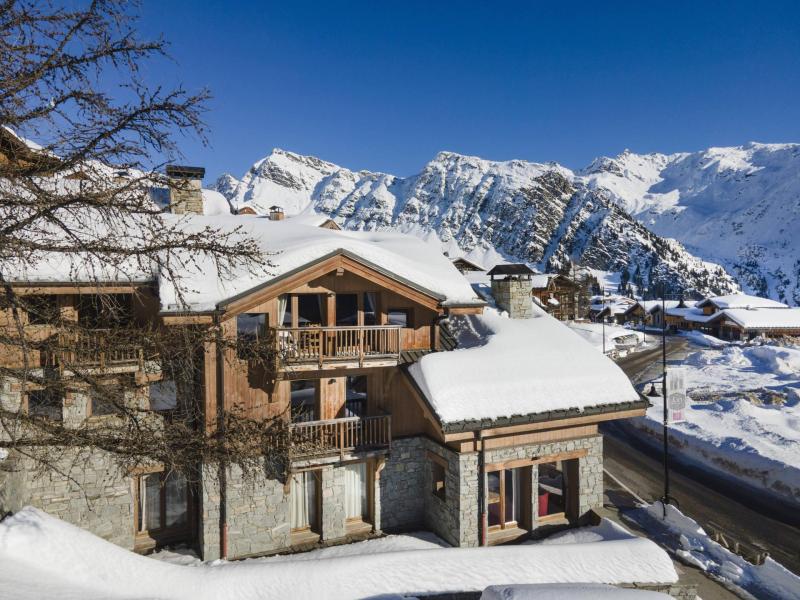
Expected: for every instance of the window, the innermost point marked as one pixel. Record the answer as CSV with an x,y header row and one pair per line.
x,y
346,310
42,310
303,395
552,489
304,501
285,310
310,310
438,478
370,308
504,495
162,502
104,311
355,491
47,404
250,328
399,316
356,396
106,402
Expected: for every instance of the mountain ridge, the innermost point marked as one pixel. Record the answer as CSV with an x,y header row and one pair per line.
x,y
541,213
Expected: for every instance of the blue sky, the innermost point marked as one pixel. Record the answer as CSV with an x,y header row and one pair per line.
x,y
386,85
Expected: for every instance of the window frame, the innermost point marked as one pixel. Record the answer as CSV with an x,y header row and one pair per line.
x,y
438,465
409,312
51,392
164,533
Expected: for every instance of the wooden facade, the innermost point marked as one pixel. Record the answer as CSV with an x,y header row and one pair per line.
x,y
558,297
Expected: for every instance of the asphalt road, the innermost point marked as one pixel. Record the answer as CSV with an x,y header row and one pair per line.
x,y
738,512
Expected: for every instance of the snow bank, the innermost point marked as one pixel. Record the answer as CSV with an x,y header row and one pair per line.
x,y
291,245
68,562
702,339
518,367
567,591
692,544
743,421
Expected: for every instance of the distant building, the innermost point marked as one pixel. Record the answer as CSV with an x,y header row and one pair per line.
x,y
466,266
556,294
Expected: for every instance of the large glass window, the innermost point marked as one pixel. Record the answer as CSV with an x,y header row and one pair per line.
x,y
304,400
355,491
46,403
370,308
304,501
250,328
552,489
399,316
346,310
356,396
310,310
105,311
162,502
504,497
42,310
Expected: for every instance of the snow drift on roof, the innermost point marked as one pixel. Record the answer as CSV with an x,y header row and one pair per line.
x,y
742,301
518,367
291,245
788,318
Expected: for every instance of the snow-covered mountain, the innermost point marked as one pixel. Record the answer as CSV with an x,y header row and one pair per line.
x,y
738,206
514,210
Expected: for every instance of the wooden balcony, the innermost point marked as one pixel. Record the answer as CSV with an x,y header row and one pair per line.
x,y
340,436
308,348
96,348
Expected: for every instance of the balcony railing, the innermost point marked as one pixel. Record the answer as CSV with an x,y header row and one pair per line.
x,y
96,348
321,346
337,436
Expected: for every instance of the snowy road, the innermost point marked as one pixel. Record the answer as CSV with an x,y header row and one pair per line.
x,y
703,496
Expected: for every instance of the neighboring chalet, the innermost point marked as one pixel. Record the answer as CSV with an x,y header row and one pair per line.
x,y
611,308
739,317
556,294
466,266
479,445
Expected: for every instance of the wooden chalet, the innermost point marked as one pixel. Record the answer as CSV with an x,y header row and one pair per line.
x,y
348,331
556,294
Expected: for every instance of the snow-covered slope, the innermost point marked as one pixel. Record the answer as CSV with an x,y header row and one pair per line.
x,y
515,210
738,206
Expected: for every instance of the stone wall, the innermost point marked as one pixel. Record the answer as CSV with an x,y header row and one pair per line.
x,y
402,488
85,487
513,296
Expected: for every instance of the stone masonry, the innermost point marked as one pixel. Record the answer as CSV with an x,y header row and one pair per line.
x,y
407,500
514,296
86,487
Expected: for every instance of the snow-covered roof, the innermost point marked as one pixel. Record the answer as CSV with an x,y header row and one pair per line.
x,y
763,319
215,203
741,301
515,367
291,246
541,281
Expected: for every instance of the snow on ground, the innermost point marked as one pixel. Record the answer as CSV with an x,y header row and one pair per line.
x,y
743,419
506,367
567,591
683,536
43,557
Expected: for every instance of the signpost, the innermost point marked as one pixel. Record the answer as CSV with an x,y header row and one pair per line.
x,y
676,394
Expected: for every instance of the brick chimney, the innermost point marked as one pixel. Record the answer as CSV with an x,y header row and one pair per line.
x,y
276,213
185,193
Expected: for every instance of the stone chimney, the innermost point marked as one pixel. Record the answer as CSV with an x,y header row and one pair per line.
x,y
511,288
185,193
276,213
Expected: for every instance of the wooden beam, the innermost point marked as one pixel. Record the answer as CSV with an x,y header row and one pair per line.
x,y
552,424
527,462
